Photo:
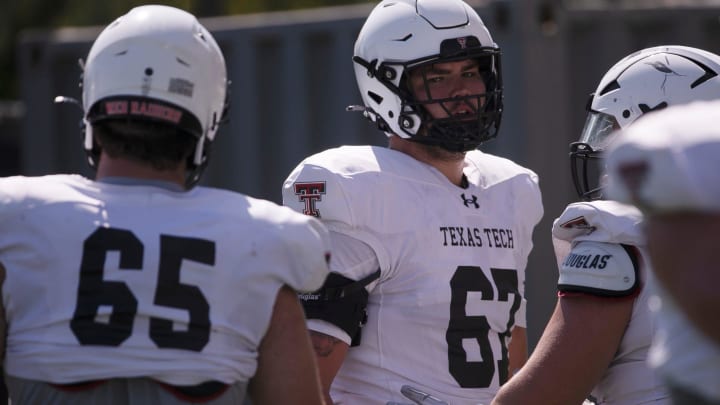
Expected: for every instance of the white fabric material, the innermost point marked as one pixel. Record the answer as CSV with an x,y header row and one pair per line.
x,y
425,232
682,353
350,256
628,380
598,221
45,224
601,266
669,161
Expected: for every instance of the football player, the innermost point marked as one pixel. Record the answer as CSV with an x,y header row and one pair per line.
x,y
668,166
596,341
137,287
430,236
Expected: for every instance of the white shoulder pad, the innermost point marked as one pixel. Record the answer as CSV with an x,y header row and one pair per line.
x,y
297,247
312,190
603,269
491,169
308,242
339,187
599,221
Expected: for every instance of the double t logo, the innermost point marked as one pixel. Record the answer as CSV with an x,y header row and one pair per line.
x,y
309,194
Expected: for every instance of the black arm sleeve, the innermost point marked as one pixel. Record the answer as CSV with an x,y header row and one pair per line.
x,y
341,302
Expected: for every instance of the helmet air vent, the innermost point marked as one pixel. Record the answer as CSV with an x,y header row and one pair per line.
x,y
375,97
646,109
709,74
614,85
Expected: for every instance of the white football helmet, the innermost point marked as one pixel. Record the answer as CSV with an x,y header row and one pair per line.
x,y
648,80
156,63
669,162
400,35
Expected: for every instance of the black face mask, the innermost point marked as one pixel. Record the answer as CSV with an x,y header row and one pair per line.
x,y
459,133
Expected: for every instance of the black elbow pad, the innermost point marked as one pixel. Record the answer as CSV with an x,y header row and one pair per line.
x,y
340,301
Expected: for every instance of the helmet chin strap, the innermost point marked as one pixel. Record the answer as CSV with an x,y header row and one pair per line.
x,y
448,145
454,136
199,162
371,115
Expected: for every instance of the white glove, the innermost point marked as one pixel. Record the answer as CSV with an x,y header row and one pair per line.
x,y
417,397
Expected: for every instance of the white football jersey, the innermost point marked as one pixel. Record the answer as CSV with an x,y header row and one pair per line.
x,y
669,162
108,280
452,264
681,352
628,379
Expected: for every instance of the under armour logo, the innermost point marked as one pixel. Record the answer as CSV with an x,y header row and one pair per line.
x,y
462,41
468,201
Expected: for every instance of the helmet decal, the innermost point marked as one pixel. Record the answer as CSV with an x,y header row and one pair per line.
x,y
664,67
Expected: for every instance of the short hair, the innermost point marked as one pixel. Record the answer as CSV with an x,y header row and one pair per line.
x,y
162,146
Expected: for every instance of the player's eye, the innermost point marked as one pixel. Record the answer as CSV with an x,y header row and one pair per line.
x,y
434,79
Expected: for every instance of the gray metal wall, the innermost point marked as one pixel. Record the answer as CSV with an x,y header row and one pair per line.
x,y
11,115
292,79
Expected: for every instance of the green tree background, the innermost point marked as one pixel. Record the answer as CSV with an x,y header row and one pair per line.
x,y
17,15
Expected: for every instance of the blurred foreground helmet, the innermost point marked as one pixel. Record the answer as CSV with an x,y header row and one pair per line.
x,y
645,81
669,162
159,64
402,35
